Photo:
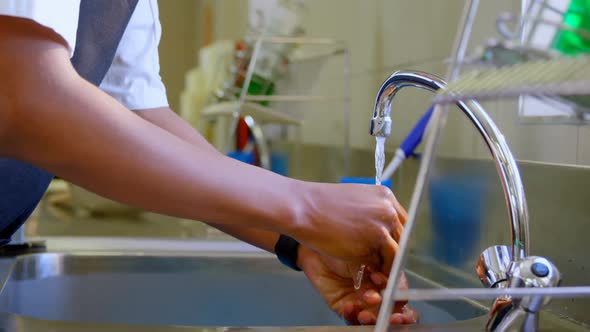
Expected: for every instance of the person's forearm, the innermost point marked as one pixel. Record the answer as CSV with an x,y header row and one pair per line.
x,y
123,157
260,238
74,130
52,118
166,119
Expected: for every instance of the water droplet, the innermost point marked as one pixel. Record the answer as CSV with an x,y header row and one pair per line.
x,y
359,277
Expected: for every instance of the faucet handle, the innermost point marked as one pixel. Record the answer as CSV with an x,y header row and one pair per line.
x,y
492,266
533,272
495,269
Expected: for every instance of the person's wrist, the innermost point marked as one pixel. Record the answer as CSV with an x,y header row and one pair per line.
x,y
307,258
299,225
302,254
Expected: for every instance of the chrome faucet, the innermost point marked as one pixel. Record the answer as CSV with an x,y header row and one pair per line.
x,y
507,168
498,266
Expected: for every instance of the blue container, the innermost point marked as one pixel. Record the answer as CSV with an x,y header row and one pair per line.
x,y
456,205
361,180
245,157
279,163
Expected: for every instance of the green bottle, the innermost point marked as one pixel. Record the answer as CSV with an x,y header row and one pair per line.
x,y
577,17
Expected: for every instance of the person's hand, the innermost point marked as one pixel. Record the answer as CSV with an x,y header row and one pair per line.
x,y
357,223
334,280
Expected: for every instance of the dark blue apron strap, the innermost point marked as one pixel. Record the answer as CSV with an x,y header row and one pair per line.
x,y
100,29
22,186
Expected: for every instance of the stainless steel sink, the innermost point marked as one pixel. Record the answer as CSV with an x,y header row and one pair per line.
x,y
213,289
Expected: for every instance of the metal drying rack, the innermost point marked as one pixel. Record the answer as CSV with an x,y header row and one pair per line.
x,y
471,86
246,104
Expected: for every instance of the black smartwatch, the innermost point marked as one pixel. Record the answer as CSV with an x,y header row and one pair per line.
x,y
286,250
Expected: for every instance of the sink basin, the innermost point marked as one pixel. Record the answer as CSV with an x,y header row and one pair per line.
x,y
212,289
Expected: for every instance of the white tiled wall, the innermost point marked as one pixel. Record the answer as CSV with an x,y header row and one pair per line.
x,y
388,35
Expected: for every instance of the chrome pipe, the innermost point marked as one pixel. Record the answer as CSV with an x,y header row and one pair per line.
x,y
506,166
438,119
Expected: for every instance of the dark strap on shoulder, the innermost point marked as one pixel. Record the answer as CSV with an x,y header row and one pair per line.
x,y
100,28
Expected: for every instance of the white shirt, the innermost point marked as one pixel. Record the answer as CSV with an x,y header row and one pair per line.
x,y
134,76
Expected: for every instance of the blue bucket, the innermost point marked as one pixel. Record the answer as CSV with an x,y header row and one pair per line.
x,y
456,205
361,180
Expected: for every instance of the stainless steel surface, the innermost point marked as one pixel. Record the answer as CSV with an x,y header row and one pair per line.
x,y
445,294
437,120
492,266
11,322
134,293
207,289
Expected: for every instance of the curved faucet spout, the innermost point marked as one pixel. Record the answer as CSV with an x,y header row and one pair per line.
x,y
505,163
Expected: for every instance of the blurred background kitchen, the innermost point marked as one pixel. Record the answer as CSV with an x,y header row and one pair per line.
x,y
309,104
